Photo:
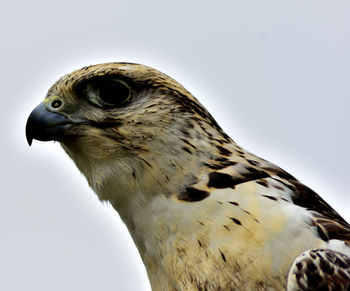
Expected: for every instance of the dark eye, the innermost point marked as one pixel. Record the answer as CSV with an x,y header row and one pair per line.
x,y
113,93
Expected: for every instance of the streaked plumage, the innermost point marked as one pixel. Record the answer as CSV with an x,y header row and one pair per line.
x,y
320,270
204,213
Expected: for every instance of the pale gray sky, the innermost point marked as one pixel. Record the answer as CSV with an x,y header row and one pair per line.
x,y
275,75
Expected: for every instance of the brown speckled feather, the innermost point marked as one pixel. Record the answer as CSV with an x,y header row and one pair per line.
x,y
320,270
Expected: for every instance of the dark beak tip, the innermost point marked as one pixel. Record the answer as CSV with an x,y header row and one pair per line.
x,y
29,140
28,135
44,125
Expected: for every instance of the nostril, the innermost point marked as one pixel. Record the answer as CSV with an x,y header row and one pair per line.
x,y
56,103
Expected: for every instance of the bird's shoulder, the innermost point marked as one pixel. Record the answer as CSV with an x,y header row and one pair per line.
x,y
233,167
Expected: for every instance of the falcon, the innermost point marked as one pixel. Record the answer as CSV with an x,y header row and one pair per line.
x,y
204,213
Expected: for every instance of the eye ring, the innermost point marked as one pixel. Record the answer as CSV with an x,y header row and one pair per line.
x,y
57,103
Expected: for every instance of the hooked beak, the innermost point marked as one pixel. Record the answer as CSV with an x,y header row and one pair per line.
x,y
44,125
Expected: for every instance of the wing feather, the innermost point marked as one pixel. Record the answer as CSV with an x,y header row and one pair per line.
x,y
320,269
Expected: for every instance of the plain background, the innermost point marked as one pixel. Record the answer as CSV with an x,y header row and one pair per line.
x,y
275,75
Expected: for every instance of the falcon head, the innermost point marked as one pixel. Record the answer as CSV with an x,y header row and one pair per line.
x,y
128,121
147,146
